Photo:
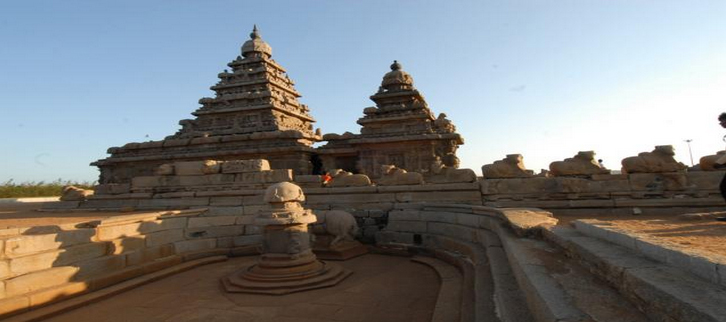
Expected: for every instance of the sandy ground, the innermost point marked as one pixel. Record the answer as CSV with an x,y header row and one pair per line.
x,y
706,235
381,288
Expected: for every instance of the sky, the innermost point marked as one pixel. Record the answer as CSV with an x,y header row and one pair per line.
x,y
544,79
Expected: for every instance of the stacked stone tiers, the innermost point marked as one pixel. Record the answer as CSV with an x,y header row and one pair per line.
x,y
284,150
255,114
400,130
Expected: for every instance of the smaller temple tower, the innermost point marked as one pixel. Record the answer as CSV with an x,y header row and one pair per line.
x,y
400,130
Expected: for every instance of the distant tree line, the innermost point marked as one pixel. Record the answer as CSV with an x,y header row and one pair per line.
x,y
11,189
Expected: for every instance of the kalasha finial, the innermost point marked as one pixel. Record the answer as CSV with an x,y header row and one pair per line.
x,y
396,65
255,34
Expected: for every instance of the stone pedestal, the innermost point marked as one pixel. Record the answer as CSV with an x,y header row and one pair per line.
x,y
288,264
341,251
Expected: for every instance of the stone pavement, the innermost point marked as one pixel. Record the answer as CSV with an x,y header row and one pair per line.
x,y
382,288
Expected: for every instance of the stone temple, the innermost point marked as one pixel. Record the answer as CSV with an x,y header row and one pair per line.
x,y
255,114
230,219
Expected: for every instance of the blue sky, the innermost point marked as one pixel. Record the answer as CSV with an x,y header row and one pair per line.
x,y
542,78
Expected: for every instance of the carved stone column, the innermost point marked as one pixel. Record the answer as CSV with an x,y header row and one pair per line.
x,y
287,264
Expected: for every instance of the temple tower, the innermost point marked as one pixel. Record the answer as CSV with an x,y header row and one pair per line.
x,y
255,114
400,130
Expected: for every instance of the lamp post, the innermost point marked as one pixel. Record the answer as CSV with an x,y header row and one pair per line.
x,y
689,149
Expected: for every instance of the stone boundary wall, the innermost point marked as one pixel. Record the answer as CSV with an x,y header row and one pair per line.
x,y
712,268
620,194
40,265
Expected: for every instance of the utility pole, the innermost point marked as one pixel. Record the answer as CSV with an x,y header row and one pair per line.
x,y
689,149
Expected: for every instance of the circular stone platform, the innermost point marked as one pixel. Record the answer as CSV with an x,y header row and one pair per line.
x,y
382,288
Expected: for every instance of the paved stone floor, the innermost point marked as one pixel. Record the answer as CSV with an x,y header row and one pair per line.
x,y
382,288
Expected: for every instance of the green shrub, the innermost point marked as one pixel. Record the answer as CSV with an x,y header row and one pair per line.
x,y
10,189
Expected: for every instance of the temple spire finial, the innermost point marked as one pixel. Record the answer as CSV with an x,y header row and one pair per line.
x,y
255,34
396,65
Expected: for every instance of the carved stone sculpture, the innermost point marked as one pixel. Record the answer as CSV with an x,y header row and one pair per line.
x,y
335,233
510,167
394,176
342,178
73,193
444,125
287,264
659,160
582,164
708,162
440,173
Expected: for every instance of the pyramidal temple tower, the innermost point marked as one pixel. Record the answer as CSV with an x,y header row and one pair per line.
x,y
255,114
400,130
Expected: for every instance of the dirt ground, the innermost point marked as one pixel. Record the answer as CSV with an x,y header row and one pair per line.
x,y
705,235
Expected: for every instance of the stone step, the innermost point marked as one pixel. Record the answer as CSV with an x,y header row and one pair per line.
x,y
558,288
663,292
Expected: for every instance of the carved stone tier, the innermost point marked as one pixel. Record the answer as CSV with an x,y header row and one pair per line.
x,y
288,264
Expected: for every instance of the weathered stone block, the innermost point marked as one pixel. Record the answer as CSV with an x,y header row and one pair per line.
x,y
438,216
195,222
705,180
240,166
444,196
253,209
409,214
164,237
225,201
223,211
99,266
64,256
4,271
196,168
57,293
278,175
468,220
149,254
127,244
247,240
453,231
253,230
315,179
112,189
407,226
668,181
112,232
147,227
244,220
210,232
38,280
124,203
28,244
351,198
147,181
173,203
14,304
195,245
250,177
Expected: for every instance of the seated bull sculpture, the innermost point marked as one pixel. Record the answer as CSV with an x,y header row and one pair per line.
x,y
582,164
708,163
342,178
440,173
510,167
394,176
659,160
73,193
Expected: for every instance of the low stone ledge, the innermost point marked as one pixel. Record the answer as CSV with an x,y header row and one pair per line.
x,y
663,292
711,268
